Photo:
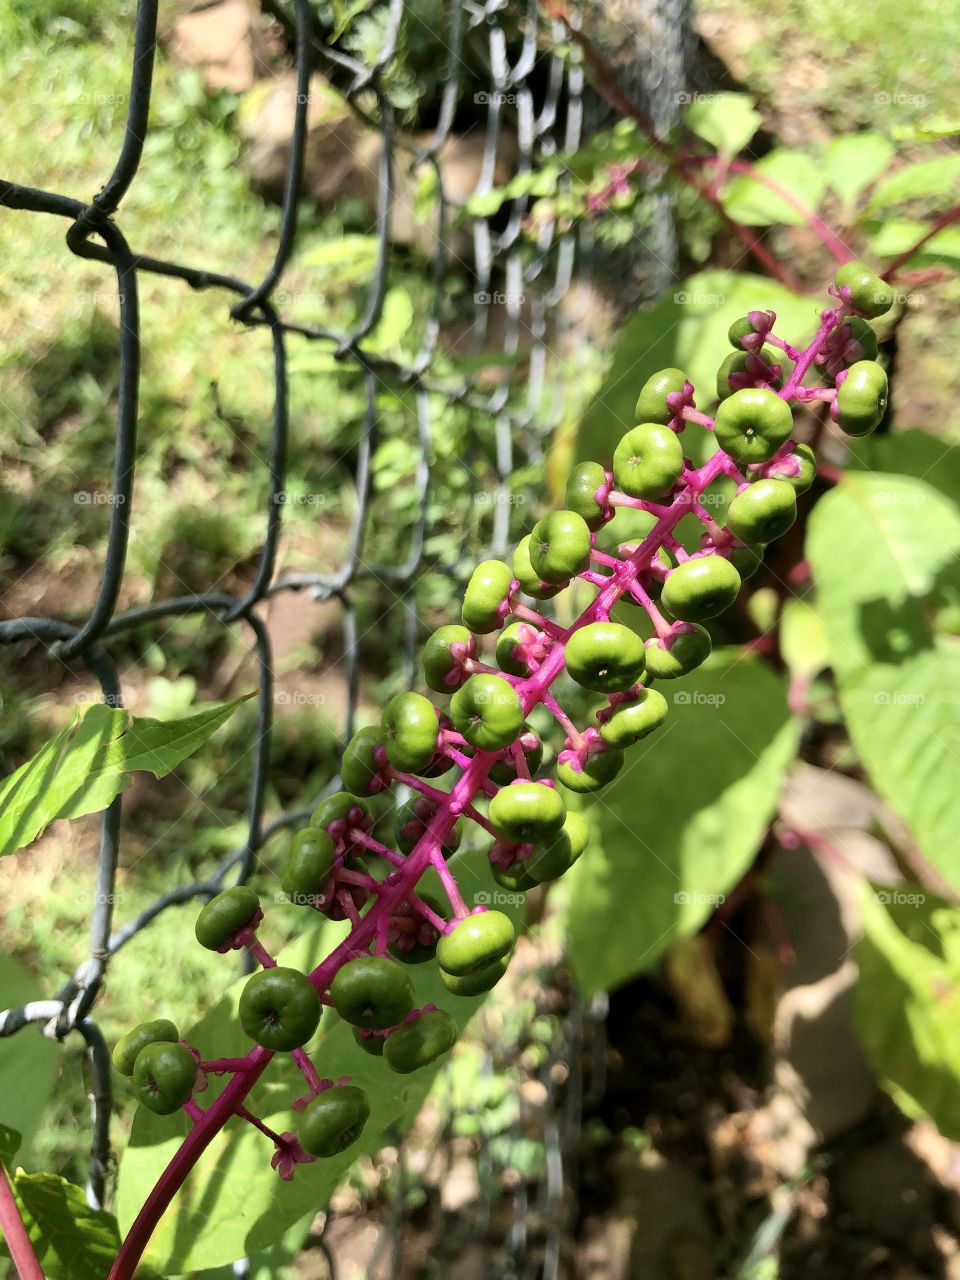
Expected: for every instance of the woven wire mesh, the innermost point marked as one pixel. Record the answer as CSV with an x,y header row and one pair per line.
x,y
546,113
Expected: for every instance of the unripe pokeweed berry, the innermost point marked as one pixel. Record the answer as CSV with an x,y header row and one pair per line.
x,y
225,915
487,711
439,663
335,808
652,402
409,725
419,1043
687,648
359,770
164,1076
763,511
752,424
648,461
527,811
372,992
505,770
334,1120
160,1031
605,657
484,601
514,879
476,983
700,588
862,398
370,1043
308,866
866,292
743,327
508,659
530,581
595,772
631,721
746,560
861,340
551,860
475,942
586,480
411,820
279,1009
798,468
759,367
416,938
559,546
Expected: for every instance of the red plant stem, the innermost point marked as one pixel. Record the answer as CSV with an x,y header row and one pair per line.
x,y
368,842
564,721
402,882
260,952
15,1233
257,1123
427,912
307,1069
217,1066
945,220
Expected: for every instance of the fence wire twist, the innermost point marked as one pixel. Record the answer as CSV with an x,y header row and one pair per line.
x,y
546,120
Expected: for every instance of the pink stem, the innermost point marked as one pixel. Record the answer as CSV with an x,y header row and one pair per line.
x,y
194,1111
218,1066
427,912
15,1233
527,614
257,1123
307,1069
561,717
368,842
701,419
417,784
260,952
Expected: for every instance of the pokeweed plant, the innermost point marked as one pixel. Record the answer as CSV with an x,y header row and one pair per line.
x,y
483,740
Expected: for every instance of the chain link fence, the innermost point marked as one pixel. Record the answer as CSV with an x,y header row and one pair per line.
x,y
536,89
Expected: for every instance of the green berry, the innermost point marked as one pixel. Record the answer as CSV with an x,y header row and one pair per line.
x,y
334,1120
648,461
861,343
487,711
868,294
682,652
746,560
752,424
652,402
307,868
527,811
476,983
630,721
416,940
585,481
371,1044
411,821
409,725
701,588
597,770
164,1076
335,808
507,641
862,398
279,1009
225,915
505,770
559,546
372,992
530,581
549,861
798,468
486,595
419,1043
605,657
439,662
161,1031
763,511
514,879
758,366
359,769
740,329
475,942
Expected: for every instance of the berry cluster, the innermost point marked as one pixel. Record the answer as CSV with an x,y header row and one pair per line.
x,y
483,737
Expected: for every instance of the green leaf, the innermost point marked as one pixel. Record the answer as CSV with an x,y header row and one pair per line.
x,y
234,1204
682,823
906,1000
71,1240
893,236
394,323
86,764
885,552
753,203
913,452
726,120
939,177
803,639
10,1142
854,161
29,1061
688,329
344,260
